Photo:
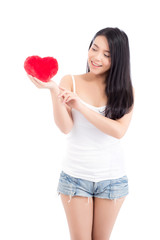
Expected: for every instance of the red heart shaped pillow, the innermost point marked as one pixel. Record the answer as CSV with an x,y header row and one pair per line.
x,y
42,68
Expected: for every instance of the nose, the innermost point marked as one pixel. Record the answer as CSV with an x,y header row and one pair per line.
x,y
98,56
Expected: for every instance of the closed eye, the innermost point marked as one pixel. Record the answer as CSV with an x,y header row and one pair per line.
x,y
106,56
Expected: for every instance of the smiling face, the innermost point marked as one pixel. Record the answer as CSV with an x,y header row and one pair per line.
x,y
99,59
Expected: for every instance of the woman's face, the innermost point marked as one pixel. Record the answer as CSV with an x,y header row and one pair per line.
x,y
99,59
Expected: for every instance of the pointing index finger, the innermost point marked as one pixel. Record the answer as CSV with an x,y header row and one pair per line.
x,y
61,88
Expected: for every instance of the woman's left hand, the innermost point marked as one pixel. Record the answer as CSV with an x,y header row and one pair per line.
x,y
70,98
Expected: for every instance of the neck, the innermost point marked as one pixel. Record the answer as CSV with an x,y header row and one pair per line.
x,y
97,78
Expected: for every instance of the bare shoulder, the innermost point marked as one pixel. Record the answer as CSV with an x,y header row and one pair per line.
x,y
66,82
83,76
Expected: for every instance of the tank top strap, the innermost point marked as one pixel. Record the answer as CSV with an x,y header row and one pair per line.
x,y
74,85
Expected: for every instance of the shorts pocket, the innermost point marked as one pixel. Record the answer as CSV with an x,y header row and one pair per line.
x,y
119,183
64,176
119,187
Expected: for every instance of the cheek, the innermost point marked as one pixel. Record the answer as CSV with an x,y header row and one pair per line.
x,y
90,55
108,63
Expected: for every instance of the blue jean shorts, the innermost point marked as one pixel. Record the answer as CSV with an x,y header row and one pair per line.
x,y
110,189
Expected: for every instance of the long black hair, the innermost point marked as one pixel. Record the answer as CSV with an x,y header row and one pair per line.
x,y
118,89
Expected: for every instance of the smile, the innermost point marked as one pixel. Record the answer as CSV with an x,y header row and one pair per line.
x,y
95,65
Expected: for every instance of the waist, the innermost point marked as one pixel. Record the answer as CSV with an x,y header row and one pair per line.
x,y
87,155
92,145
104,161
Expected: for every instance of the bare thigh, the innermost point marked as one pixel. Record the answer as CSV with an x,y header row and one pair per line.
x,y
105,214
79,214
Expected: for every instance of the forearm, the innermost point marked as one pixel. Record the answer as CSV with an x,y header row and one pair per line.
x,y
61,116
106,125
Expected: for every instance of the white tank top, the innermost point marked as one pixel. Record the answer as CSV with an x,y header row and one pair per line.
x,y
91,154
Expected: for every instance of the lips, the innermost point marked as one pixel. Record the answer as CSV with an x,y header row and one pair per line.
x,y
95,64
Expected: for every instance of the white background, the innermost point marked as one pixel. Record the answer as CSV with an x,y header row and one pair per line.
x,y
32,145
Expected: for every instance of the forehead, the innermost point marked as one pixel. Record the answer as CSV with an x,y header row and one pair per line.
x,y
101,42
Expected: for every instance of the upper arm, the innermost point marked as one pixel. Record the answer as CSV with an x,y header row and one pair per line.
x,y
66,82
125,120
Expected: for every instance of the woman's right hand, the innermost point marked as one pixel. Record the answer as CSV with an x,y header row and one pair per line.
x,y
40,84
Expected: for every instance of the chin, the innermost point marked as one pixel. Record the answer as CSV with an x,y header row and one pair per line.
x,y
95,72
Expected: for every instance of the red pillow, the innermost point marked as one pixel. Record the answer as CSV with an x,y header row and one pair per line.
x,y
42,68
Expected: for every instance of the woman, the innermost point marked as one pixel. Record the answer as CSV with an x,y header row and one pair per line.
x,y
94,109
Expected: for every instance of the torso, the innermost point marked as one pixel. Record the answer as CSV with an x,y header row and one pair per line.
x,y
91,92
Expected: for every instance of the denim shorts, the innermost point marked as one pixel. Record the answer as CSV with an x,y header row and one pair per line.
x,y
110,189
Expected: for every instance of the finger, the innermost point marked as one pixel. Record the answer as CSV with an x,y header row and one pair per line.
x,y
39,81
42,84
61,94
61,88
34,78
29,76
65,97
34,81
68,99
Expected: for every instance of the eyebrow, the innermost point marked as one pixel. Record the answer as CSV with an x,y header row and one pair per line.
x,y
98,47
